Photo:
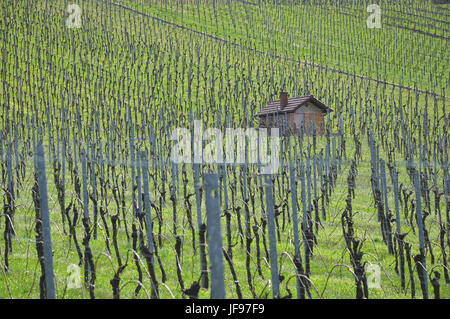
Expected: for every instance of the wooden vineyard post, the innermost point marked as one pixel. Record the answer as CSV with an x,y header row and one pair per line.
x,y
316,199
308,192
214,238
197,149
227,213
89,267
421,258
384,194
94,189
305,221
148,221
297,256
398,235
85,191
132,166
396,194
46,231
272,236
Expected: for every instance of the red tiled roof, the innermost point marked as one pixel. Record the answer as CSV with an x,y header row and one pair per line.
x,y
293,104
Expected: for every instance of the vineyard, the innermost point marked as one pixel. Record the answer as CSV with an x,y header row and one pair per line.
x,y
93,204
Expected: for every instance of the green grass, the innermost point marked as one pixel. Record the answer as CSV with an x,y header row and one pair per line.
x,y
329,35
329,266
114,65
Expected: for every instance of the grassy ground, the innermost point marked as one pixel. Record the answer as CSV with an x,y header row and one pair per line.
x,y
335,36
62,60
330,267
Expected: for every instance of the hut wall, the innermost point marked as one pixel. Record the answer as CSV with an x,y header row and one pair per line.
x,y
306,115
292,123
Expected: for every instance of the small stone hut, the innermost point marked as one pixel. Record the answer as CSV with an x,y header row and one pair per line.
x,y
294,115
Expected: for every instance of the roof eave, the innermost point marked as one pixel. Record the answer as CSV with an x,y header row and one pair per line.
x,y
310,98
275,113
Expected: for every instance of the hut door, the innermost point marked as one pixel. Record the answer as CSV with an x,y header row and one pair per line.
x,y
299,120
